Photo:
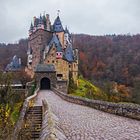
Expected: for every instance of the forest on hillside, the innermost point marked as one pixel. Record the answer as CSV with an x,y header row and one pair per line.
x,y
115,58
111,58
103,60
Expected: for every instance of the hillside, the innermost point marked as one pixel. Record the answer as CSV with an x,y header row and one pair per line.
x,y
114,58
87,90
111,62
8,51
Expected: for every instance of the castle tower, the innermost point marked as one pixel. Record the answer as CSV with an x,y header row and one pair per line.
x,y
38,38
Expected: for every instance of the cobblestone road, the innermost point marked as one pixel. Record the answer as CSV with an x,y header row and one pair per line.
x,y
84,123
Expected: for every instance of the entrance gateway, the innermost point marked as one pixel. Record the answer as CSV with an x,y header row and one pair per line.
x,y
45,83
45,76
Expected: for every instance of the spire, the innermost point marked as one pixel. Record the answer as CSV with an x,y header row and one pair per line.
x,y
58,12
57,26
44,20
40,22
66,30
40,19
31,27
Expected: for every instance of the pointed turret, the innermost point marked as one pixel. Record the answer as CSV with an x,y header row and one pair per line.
x,y
44,21
40,22
57,26
35,23
66,30
31,29
48,22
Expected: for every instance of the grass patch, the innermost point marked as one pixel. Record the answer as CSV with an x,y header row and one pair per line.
x,y
87,90
16,112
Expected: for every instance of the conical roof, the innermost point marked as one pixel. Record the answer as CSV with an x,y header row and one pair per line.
x,y
57,26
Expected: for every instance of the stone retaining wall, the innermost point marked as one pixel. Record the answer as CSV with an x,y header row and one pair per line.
x,y
122,109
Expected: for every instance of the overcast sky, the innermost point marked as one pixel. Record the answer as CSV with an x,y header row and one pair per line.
x,y
94,17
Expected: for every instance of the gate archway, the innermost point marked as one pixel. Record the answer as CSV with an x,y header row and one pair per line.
x,y
45,83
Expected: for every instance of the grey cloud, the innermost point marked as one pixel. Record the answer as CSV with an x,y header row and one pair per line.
x,y
96,17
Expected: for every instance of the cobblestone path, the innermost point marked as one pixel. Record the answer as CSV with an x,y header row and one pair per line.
x,y
83,123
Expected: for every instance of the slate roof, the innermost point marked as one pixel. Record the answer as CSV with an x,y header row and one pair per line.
x,y
57,26
68,55
57,43
45,68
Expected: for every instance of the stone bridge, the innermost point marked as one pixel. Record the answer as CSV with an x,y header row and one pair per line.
x,y
78,122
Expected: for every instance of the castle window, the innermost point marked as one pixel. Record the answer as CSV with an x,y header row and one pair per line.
x,y
52,61
69,66
59,75
48,61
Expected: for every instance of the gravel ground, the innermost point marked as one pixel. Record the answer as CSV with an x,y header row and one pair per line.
x,y
83,123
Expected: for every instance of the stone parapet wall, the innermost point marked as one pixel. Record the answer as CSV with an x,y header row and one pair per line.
x,y
27,103
122,109
50,125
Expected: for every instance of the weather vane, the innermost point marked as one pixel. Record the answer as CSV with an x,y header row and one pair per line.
x,y
58,12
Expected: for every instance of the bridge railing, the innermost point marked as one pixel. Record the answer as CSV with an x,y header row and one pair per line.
x,y
49,129
122,109
27,103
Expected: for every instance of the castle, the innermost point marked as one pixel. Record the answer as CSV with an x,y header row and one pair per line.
x,y
50,47
14,65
